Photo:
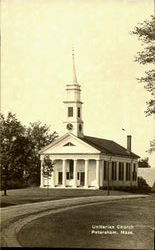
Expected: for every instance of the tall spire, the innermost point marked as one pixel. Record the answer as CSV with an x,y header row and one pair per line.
x,y
74,70
73,122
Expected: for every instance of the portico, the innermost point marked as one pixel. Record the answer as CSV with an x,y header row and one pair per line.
x,y
73,173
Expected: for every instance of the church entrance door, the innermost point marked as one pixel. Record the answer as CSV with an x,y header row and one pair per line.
x,y
82,174
59,177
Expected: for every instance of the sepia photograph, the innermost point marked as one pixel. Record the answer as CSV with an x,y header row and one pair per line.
x,y
77,124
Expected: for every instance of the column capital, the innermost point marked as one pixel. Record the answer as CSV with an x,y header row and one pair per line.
x,y
98,160
75,173
97,173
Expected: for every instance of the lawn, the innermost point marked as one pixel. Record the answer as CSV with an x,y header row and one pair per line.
x,y
29,195
73,228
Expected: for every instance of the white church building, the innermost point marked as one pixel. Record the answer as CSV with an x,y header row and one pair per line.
x,y
82,161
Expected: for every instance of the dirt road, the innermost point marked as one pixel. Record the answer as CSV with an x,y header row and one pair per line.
x,y
13,218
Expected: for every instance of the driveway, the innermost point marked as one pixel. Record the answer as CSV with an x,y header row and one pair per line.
x,y
13,218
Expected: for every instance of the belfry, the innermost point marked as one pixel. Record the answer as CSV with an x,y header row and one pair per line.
x,y
82,161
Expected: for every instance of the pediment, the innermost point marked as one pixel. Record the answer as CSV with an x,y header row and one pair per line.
x,y
69,144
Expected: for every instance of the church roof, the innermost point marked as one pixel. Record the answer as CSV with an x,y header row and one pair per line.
x,y
108,146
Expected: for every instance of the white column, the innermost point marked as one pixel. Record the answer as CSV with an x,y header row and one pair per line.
x,y
101,173
75,173
137,173
41,175
64,172
97,173
86,174
53,173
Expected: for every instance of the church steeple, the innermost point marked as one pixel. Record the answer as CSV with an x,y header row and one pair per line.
x,y
73,105
74,69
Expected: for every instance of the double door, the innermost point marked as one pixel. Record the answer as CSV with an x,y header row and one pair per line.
x,y
81,178
59,178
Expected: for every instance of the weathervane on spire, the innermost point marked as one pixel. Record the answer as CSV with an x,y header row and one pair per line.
x,y
74,70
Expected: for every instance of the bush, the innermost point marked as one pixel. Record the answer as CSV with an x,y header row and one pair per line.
x,y
14,184
142,188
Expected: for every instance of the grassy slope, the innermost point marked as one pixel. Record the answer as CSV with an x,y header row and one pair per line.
x,y
29,195
73,228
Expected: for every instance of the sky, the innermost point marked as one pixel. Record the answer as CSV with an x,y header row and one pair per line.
x,y
37,40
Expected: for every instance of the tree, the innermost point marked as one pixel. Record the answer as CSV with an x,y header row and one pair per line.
x,y
146,33
20,162
153,188
39,136
152,146
12,158
143,185
144,163
47,169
